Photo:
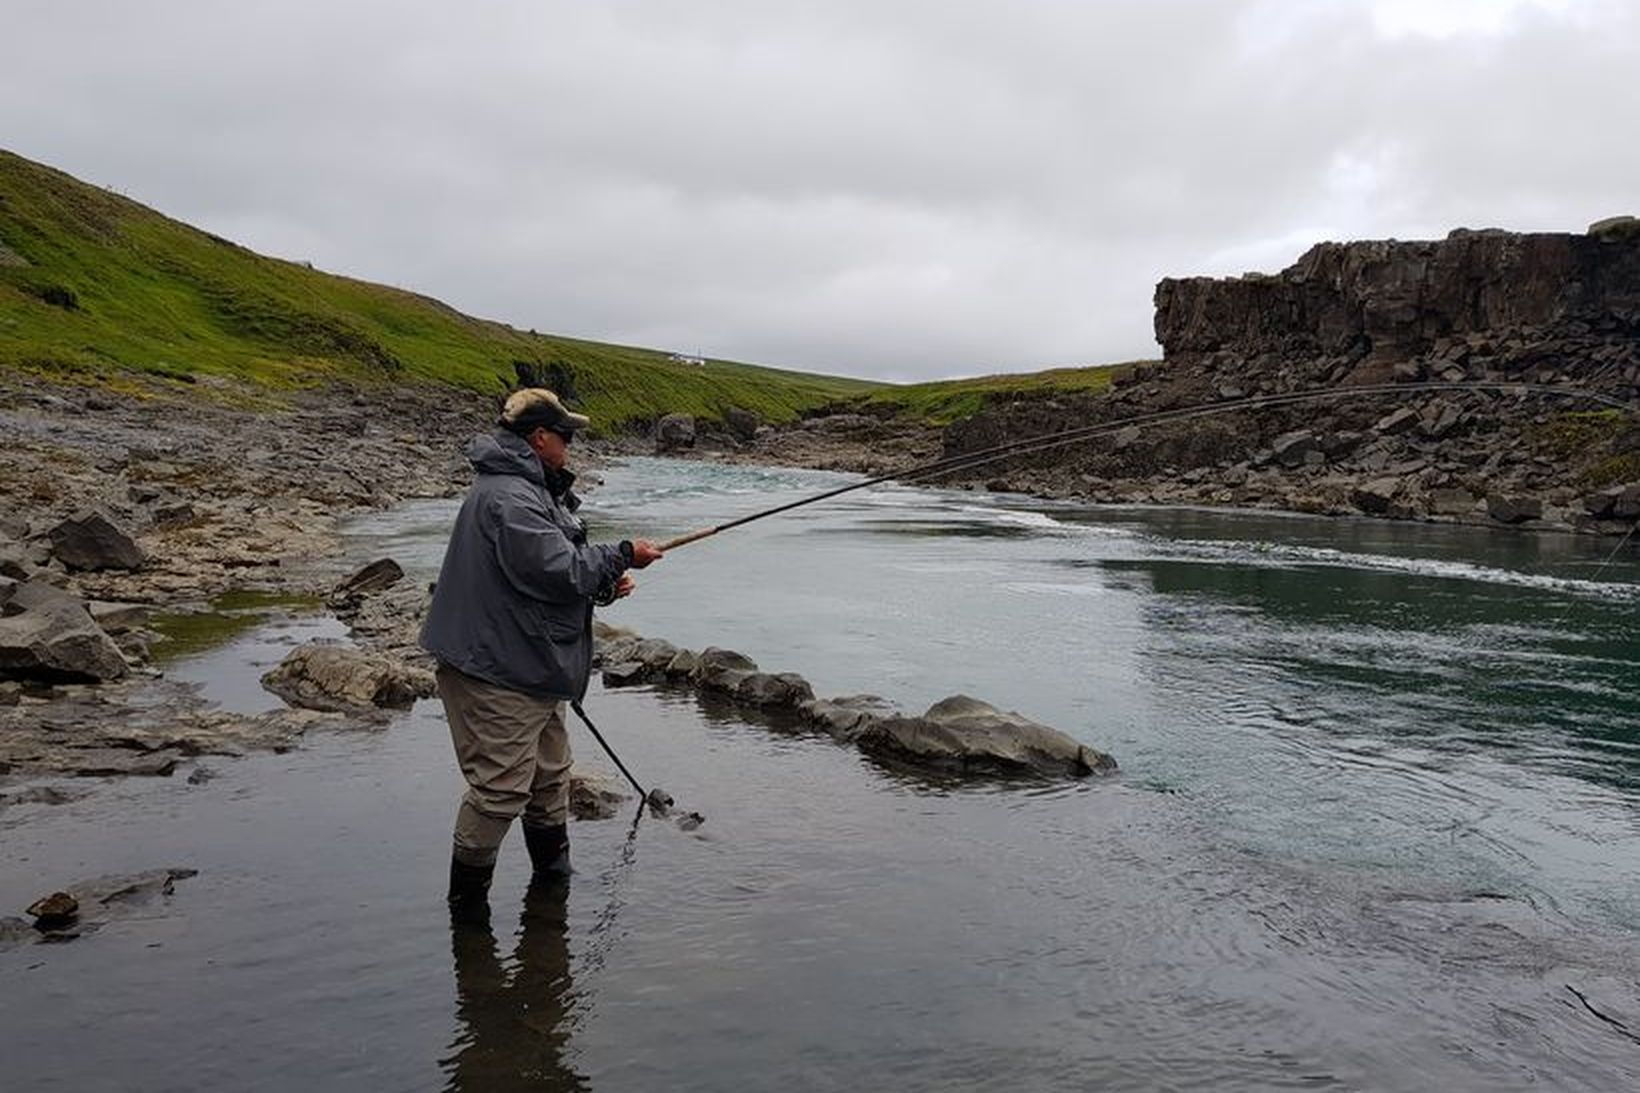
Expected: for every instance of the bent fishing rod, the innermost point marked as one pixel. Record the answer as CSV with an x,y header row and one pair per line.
x,y
1066,437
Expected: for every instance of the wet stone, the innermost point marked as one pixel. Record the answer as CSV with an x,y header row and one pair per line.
x,y
53,911
329,676
625,673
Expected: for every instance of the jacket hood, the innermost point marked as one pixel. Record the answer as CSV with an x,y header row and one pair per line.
x,y
502,452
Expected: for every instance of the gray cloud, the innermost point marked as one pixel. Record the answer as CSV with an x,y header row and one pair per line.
x,y
905,190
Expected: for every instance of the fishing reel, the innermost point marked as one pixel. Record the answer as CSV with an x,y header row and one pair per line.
x,y
606,592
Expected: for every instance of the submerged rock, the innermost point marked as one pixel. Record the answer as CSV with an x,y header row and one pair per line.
x,y
328,676
846,717
624,673
773,689
721,669
964,734
54,911
960,734
85,906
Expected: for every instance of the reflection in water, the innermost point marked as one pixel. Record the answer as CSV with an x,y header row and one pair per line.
x,y
515,1015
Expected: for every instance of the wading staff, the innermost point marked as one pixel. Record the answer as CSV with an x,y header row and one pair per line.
x,y
657,798
1065,437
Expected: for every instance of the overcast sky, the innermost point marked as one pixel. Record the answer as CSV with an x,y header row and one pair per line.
x,y
902,190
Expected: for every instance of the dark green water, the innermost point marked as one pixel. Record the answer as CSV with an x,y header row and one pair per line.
x,y
1377,820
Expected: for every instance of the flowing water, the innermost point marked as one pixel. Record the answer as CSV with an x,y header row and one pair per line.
x,y
1377,827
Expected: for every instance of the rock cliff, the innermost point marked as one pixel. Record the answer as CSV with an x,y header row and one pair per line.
x,y
1555,310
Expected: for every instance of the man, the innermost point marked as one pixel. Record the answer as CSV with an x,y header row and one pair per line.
x,y
511,628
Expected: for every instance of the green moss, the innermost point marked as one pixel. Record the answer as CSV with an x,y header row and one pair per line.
x,y
1616,470
945,401
231,614
250,599
1598,440
1566,435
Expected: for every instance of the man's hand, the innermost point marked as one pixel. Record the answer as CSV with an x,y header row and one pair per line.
x,y
624,586
644,552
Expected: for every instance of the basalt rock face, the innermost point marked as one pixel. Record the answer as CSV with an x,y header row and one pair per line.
x,y
1520,312
1395,299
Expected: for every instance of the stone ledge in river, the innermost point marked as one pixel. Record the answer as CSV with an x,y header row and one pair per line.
x,y
957,735
847,716
963,734
84,907
329,676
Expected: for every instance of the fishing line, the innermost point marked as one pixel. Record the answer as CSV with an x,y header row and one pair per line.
x,y
1066,437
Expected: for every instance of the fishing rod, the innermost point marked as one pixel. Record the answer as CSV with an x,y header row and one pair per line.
x,y
1067,437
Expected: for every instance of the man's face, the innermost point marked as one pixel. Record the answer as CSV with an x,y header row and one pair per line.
x,y
550,448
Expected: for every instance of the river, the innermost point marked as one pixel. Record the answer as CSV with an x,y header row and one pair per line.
x,y
1375,828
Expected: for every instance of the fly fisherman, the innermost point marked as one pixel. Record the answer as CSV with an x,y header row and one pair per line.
x,y
511,628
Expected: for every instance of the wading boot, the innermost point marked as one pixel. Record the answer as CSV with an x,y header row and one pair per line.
x,y
549,852
470,893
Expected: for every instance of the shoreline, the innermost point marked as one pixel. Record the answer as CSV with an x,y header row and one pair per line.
x,y
247,500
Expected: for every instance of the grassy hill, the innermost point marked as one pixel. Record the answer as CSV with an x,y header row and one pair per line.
x,y
944,401
94,286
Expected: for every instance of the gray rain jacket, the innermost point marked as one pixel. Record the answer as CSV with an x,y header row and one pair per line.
x,y
513,605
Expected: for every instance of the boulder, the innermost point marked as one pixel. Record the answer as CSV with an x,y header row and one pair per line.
x,y
378,576
744,424
118,618
1627,505
17,561
778,689
90,540
684,664
624,672
1599,505
653,653
674,432
1397,421
721,669
1439,420
964,735
594,795
1375,496
1513,508
49,635
329,676
1451,502
847,716
1290,449
171,513
1335,445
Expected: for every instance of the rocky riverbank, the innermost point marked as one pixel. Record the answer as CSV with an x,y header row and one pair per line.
x,y
129,513
1520,312
126,505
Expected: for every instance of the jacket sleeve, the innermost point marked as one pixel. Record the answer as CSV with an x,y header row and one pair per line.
x,y
539,560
